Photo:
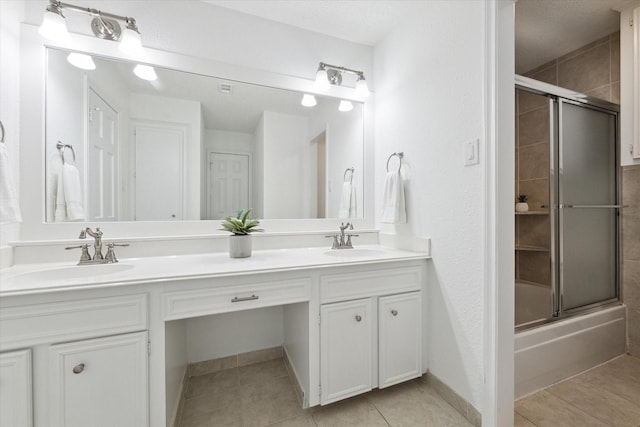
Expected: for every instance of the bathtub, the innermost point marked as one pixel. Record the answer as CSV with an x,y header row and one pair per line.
x,y
555,351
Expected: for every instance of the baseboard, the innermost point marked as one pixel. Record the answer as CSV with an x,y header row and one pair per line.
x,y
178,407
295,379
465,408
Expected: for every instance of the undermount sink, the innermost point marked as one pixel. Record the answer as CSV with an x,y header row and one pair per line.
x,y
70,273
354,253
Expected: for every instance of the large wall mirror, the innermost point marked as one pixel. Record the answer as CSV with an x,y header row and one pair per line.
x,y
186,146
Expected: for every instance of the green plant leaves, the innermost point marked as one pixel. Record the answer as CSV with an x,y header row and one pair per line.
x,y
241,224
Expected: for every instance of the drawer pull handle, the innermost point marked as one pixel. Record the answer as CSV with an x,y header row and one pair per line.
x,y
358,318
394,312
252,297
78,368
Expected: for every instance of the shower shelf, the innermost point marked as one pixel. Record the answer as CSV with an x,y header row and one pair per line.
x,y
531,248
533,213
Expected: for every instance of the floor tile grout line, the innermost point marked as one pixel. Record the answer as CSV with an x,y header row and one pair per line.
x,y
526,418
608,391
377,410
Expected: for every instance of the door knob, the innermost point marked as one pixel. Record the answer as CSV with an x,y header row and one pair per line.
x,y
78,368
394,312
358,318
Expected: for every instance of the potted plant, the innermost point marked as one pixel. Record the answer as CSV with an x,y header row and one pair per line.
x,y
241,226
522,205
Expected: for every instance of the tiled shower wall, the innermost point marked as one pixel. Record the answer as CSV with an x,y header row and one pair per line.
x,y
593,69
631,253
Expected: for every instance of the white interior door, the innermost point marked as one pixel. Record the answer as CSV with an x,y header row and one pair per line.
x,y
228,184
102,165
159,172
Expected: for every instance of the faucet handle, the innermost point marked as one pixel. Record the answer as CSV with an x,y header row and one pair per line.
x,y
335,241
110,257
85,257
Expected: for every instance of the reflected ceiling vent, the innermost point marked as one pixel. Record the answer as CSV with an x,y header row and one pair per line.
x,y
225,88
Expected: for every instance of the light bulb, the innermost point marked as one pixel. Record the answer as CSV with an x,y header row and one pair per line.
x,y
81,60
361,88
130,42
54,27
145,72
308,100
345,106
322,80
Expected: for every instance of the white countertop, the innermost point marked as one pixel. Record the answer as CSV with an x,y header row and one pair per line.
x,y
48,277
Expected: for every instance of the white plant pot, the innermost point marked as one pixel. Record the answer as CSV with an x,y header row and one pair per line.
x,y
240,246
522,207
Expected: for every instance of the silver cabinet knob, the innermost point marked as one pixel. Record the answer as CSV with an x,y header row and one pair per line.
x,y
394,312
358,318
78,368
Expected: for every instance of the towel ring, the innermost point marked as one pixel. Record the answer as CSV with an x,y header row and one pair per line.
x,y
400,156
63,147
2,129
344,176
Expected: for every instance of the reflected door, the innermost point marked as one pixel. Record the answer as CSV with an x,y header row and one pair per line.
x,y
159,173
102,165
228,184
588,214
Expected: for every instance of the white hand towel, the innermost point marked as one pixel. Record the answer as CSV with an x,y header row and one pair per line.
x,y
69,195
348,206
393,205
9,207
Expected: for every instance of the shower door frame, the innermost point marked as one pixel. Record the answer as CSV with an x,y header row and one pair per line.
x,y
556,95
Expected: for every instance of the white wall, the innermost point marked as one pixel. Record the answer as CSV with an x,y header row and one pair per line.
x,y
626,88
11,14
161,109
285,166
429,100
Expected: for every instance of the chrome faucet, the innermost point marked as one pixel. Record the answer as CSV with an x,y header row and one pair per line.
x,y
343,240
97,243
97,257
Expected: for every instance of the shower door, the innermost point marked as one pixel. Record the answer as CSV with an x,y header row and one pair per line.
x,y
587,199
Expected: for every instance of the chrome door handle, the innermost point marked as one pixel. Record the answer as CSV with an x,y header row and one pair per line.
x,y
358,318
78,368
252,297
394,312
590,206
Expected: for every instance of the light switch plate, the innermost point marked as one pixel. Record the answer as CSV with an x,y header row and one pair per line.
x,y
471,152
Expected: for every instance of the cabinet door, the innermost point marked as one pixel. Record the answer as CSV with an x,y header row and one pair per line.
x,y
345,349
15,389
100,382
399,338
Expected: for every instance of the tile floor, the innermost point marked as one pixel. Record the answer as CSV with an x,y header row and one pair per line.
x,y
608,395
263,395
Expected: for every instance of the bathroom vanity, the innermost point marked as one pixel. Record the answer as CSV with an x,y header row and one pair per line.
x,y
352,320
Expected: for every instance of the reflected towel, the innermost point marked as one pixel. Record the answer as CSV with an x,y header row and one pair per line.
x,y
348,205
393,205
9,206
69,195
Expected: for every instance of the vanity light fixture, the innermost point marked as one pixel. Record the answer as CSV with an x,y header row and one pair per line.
x,y
345,106
145,72
328,75
308,100
104,25
81,60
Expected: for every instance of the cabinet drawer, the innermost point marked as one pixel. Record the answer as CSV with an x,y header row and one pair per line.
x,y
348,286
202,302
65,321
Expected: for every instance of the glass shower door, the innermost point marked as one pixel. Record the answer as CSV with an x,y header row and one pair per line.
x,y
588,202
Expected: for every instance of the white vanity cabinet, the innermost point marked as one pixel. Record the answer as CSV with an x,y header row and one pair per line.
x,y
374,340
99,382
15,389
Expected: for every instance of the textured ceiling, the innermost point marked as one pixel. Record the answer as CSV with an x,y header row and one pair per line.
x,y
359,21
547,29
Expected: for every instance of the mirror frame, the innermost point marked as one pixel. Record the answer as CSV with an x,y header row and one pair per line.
x,y
33,125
